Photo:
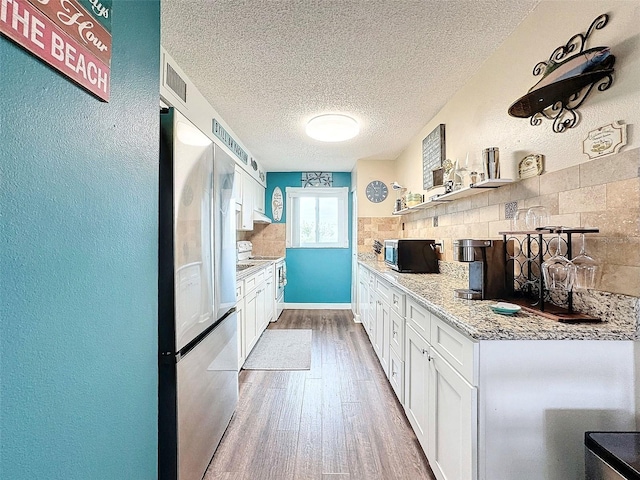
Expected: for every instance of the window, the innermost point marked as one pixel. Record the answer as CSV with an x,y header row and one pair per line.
x,y
317,217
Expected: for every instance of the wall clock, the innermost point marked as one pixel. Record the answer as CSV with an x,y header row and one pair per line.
x,y
377,191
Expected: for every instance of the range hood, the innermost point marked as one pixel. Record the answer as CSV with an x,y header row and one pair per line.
x,y
260,218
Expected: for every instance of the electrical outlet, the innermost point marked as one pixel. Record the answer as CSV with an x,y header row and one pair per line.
x,y
435,221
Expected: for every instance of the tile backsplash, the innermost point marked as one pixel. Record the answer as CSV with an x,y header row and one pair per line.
x,y
602,193
268,240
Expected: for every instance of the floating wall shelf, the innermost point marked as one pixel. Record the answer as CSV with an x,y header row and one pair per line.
x,y
472,189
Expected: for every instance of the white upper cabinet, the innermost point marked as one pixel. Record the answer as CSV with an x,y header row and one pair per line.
x,y
258,197
237,186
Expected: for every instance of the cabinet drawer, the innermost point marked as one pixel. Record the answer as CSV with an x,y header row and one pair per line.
x,y
396,375
397,301
455,348
239,290
269,271
383,289
253,281
419,318
396,338
363,274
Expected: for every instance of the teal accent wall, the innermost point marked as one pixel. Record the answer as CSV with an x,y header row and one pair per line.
x,y
314,275
78,260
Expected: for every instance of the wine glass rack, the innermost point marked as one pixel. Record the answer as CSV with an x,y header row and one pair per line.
x,y
525,251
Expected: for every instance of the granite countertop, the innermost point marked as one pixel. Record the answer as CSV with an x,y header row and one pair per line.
x,y
246,268
475,319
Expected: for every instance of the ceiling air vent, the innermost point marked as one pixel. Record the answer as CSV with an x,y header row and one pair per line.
x,y
176,83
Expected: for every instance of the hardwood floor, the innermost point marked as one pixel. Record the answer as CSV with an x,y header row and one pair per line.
x,y
338,420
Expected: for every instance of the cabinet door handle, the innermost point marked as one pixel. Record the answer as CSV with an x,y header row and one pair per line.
x,y
395,334
426,352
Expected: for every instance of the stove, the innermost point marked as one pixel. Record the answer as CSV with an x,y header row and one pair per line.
x,y
246,259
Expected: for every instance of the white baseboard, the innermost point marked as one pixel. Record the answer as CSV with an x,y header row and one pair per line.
x,y
317,306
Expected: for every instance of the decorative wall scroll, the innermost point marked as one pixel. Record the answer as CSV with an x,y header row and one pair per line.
x,y
74,40
605,140
433,154
317,179
220,132
568,77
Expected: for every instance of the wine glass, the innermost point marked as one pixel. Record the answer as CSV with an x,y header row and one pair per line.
x,y
558,271
518,221
587,268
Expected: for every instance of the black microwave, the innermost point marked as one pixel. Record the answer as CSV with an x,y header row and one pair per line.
x,y
411,255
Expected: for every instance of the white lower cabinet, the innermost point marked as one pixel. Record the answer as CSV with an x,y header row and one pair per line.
x,y
242,351
376,325
396,336
261,302
396,374
380,338
442,409
270,296
251,320
499,409
255,307
432,368
416,383
371,313
363,297
384,327
242,354
452,422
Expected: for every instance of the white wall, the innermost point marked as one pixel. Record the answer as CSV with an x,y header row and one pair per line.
x,y
476,117
368,171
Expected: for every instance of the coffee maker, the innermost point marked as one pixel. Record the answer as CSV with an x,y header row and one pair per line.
x,y
488,276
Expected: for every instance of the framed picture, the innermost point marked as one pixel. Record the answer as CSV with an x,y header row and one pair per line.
x,y
433,154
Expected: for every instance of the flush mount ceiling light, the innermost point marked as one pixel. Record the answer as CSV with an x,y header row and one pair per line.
x,y
332,128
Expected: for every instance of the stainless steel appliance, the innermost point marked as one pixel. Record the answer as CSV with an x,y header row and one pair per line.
x,y
488,277
612,455
197,330
411,255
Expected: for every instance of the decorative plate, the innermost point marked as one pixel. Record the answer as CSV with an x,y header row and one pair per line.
x,y
504,308
531,165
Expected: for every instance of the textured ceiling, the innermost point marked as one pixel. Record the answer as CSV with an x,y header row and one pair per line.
x,y
267,66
